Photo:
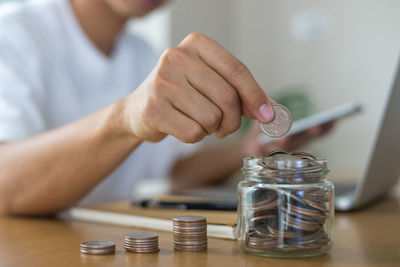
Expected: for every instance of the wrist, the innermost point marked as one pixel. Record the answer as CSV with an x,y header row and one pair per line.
x,y
118,121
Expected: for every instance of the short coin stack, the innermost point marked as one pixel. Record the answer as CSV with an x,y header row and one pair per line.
x,y
141,242
190,233
98,247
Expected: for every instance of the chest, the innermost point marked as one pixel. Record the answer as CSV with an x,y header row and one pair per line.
x,y
77,88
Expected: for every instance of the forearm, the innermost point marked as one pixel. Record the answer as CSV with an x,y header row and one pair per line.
x,y
208,166
53,170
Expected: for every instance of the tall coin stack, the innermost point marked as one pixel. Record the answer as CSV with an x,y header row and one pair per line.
x,y
190,233
141,242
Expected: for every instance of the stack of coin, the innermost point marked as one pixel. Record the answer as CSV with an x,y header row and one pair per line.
x,y
190,233
98,247
141,242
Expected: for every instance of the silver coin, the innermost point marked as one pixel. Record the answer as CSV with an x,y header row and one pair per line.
x,y
191,227
98,245
190,237
191,248
189,219
140,241
281,123
303,155
141,250
141,236
97,251
191,231
141,245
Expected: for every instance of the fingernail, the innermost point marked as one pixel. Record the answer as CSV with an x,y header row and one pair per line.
x,y
266,113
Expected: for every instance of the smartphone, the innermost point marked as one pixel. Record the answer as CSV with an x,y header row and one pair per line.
x,y
323,117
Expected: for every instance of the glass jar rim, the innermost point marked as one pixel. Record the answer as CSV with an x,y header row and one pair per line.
x,y
254,169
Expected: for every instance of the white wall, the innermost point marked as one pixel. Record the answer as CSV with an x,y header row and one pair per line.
x,y
342,50
210,17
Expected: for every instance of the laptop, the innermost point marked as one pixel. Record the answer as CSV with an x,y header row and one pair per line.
x,y
382,167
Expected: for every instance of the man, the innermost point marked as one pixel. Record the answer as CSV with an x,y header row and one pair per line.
x,y
81,118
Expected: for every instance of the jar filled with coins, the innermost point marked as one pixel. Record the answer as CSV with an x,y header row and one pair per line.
x,y
286,206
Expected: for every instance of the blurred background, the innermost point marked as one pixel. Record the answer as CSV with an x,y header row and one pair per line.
x,y
318,53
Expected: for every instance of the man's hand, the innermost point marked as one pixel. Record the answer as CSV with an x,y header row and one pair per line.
x,y
196,89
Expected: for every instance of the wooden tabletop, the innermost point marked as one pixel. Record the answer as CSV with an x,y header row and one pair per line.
x,y
368,237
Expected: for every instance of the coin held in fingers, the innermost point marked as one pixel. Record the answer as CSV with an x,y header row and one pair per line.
x,y
281,123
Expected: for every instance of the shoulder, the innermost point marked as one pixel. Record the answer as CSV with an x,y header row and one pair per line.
x,y
11,9
11,17
21,23
23,28
22,53
17,12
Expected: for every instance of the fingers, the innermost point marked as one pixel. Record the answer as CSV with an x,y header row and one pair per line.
x,y
196,89
180,126
293,142
218,91
156,111
197,107
327,127
256,103
198,92
321,129
314,131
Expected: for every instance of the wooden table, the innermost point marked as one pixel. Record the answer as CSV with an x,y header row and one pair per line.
x,y
369,237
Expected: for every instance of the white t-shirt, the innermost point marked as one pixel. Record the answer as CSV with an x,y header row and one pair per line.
x,y
51,75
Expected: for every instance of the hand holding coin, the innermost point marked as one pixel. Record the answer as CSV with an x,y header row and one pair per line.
x,y
196,89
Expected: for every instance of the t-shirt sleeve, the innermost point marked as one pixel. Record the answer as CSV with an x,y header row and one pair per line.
x,y
21,102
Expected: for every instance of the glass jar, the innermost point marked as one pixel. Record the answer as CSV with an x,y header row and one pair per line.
x,y
286,206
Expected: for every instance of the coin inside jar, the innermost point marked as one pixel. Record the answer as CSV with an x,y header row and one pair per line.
x,y
281,123
287,204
